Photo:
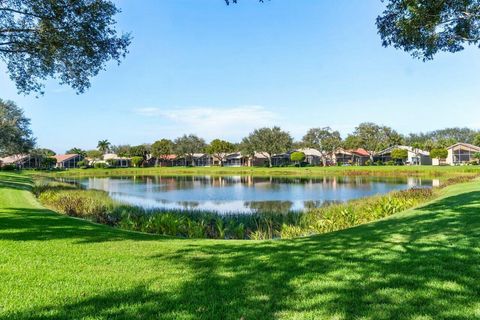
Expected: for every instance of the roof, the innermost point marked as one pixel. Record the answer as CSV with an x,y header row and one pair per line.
x,y
110,156
13,159
361,152
408,148
65,157
467,145
310,152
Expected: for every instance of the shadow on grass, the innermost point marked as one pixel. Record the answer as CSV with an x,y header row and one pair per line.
x,y
422,265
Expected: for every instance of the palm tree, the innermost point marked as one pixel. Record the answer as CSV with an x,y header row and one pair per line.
x,y
103,146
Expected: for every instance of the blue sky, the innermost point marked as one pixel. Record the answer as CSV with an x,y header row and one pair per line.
x,y
198,66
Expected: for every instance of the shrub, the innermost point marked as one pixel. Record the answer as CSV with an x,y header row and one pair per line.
x,y
100,165
82,164
297,157
399,154
439,153
9,167
390,163
137,161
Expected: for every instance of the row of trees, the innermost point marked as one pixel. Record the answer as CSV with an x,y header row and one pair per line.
x,y
270,141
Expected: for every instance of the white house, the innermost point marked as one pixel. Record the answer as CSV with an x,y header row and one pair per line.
x,y
461,153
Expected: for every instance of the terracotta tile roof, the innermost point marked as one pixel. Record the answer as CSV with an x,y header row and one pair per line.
x,y
361,152
64,157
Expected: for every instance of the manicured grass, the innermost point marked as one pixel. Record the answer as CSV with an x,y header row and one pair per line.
x,y
420,264
431,171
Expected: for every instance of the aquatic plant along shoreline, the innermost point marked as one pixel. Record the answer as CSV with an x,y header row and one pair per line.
x,y
99,207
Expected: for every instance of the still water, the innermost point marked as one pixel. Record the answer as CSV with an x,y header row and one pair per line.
x,y
244,194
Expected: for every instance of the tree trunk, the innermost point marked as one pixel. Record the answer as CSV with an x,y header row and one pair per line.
x,y
270,162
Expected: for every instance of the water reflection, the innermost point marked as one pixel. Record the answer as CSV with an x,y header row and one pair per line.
x,y
245,193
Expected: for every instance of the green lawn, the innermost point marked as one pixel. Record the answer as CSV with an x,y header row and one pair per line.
x,y
277,171
420,264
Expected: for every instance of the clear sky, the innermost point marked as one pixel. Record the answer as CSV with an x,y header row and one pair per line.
x,y
199,66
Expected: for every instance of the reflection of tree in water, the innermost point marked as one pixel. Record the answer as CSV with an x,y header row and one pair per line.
x,y
188,204
311,204
269,206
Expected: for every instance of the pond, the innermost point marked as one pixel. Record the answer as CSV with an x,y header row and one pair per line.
x,y
245,194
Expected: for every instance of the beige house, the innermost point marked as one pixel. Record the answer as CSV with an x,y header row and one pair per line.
x,y
461,153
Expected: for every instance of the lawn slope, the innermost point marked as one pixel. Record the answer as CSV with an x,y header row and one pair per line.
x,y
420,264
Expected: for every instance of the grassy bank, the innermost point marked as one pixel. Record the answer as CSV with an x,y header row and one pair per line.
x,y
419,264
397,171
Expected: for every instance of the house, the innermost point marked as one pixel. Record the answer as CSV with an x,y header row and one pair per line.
x,y
235,160
461,153
312,156
67,161
415,156
21,161
282,159
116,161
357,157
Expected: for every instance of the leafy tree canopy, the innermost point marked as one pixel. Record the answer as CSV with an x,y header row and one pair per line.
x,y
476,140
324,140
373,137
71,40
399,154
187,145
439,153
162,148
103,146
94,154
297,156
268,141
425,27
220,149
42,152
77,151
15,134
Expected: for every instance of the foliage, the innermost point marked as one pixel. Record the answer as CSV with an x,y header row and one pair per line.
x,y
439,153
137,161
100,165
425,27
399,154
476,140
220,149
69,40
103,146
373,137
15,134
441,139
139,151
94,154
42,152
77,151
324,140
162,148
122,150
297,156
267,141
188,145
48,162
